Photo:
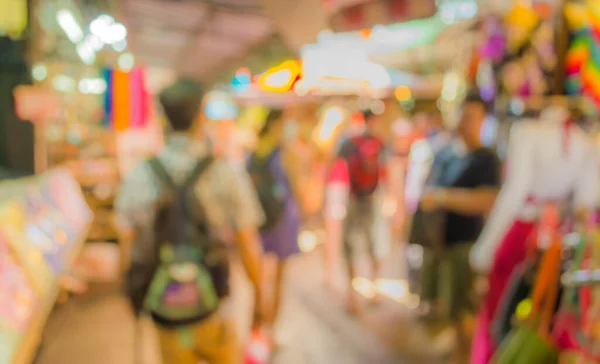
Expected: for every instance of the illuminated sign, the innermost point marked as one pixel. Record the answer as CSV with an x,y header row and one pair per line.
x,y
280,78
383,39
339,69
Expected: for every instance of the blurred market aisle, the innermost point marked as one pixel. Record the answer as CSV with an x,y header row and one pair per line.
x,y
97,327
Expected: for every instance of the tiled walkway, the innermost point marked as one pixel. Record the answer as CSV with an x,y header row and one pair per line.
x,y
98,329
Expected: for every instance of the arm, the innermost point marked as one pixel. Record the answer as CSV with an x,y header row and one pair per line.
x,y
246,215
513,194
476,202
251,253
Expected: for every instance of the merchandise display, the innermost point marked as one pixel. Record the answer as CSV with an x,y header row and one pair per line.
x,y
44,221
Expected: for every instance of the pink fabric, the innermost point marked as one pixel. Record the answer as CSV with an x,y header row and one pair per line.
x,y
137,98
511,252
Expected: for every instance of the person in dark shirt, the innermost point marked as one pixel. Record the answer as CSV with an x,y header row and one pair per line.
x,y
464,183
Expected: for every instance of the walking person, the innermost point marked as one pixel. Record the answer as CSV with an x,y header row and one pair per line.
x,y
172,211
363,154
272,172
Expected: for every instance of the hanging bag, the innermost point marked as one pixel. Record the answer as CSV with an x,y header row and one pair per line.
x,y
518,289
529,342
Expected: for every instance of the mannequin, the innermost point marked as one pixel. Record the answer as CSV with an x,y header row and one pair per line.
x,y
547,161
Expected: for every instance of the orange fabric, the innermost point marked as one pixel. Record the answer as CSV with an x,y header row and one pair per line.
x,y
121,101
545,292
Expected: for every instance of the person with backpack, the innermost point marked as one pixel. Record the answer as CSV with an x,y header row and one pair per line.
x,y
173,212
363,154
270,168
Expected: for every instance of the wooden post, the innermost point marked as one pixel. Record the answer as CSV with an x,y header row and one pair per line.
x,y
561,44
40,148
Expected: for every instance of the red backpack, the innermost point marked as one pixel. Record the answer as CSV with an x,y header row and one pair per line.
x,y
364,165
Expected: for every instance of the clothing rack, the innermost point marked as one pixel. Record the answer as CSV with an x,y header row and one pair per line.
x,y
580,278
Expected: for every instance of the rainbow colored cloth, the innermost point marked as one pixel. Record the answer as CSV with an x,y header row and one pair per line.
x,y
127,102
583,56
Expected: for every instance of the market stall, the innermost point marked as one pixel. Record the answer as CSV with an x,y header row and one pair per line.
x,y
44,223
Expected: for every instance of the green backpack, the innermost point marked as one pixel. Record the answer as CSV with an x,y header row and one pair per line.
x,y
192,275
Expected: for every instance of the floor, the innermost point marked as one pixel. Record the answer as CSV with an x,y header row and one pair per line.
x,y
97,328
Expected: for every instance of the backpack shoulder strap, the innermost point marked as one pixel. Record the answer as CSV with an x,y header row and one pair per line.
x,y
199,169
160,172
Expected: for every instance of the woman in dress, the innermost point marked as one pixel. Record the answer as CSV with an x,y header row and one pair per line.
x,y
281,240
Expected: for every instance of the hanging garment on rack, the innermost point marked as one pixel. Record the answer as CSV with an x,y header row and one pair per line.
x,y
539,170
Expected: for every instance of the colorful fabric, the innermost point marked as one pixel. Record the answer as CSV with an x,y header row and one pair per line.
x,y
127,102
121,100
511,252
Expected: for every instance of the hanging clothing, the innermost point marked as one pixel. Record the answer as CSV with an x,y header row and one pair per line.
x,y
548,161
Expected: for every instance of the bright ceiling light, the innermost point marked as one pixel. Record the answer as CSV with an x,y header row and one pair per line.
x,y
120,46
86,53
126,61
95,42
94,86
110,32
64,83
69,25
117,33
39,72
101,24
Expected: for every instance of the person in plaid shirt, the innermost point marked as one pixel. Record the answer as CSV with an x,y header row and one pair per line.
x,y
230,204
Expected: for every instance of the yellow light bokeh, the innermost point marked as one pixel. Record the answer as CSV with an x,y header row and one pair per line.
x,y
280,78
403,93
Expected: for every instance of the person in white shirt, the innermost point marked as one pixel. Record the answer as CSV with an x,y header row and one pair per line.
x,y
548,160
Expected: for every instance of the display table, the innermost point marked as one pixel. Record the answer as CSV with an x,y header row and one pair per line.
x,y
44,221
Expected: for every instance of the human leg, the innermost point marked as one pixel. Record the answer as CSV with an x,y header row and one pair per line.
x,y
430,275
347,241
173,348
280,266
216,340
461,279
212,340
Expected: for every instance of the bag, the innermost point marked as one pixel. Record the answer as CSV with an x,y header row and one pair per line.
x,y
529,342
270,192
428,229
189,273
364,165
518,289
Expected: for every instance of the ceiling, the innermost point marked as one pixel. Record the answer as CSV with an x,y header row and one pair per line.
x,y
197,38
